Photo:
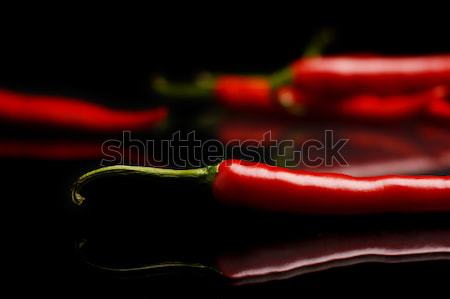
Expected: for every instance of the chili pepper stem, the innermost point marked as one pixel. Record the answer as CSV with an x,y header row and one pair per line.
x,y
149,268
317,45
280,78
202,175
159,266
202,88
319,42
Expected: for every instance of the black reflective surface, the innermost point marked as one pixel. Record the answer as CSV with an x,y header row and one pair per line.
x,y
130,222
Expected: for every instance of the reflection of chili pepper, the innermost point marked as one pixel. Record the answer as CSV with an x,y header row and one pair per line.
x,y
361,107
265,187
282,261
388,141
435,139
275,259
242,130
71,150
74,114
50,150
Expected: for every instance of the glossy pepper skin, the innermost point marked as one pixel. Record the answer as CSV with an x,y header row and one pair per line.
x,y
71,113
272,188
439,109
244,93
264,187
377,74
366,107
339,75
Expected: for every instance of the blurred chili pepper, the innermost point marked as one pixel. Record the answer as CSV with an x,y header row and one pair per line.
x,y
72,150
321,76
367,107
439,109
71,113
241,91
239,129
50,150
382,74
395,141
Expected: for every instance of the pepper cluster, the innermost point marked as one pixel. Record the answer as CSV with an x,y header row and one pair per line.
x,y
368,88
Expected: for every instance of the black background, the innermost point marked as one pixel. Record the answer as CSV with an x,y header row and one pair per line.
x,y
110,58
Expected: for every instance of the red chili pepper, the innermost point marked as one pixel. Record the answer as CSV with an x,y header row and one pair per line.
x,y
381,74
322,76
403,165
243,92
272,188
367,107
72,113
260,186
439,109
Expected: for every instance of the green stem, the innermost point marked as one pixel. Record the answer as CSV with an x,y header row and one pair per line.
x,y
315,47
150,268
202,175
280,78
319,42
203,88
159,266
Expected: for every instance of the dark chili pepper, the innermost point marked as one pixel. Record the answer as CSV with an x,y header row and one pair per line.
x,y
265,187
73,113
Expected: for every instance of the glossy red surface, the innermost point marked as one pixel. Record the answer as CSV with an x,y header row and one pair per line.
x,y
372,74
243,92
393,107
261,186
439,109
288,259
371,107
73,113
